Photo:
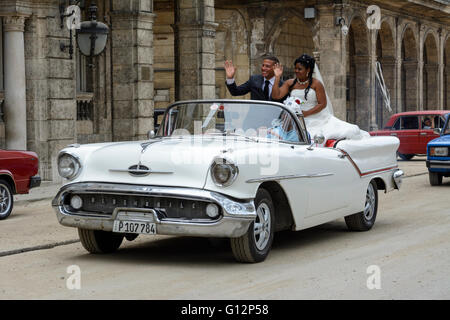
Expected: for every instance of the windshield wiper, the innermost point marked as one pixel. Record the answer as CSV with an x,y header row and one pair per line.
x,y
241,135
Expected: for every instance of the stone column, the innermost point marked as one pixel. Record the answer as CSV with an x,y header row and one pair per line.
x,y
431,100
398,66
39,108
364,113
195,33
256,15
373,125
420,73
441,66
412,94
389,65
14,79
132,69
332,49
446,94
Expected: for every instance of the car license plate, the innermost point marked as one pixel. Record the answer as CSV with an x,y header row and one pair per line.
x,y
122,226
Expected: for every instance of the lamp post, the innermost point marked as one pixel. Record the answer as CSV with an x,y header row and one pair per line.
x,y
91,35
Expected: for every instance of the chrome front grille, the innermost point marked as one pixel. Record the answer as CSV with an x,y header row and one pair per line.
x,y
173,208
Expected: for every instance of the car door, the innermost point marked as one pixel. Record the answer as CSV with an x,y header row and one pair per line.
x,y
408,134
329,180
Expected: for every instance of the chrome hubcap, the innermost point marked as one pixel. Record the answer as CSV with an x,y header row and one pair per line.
x,y
262,226
369,208
5,200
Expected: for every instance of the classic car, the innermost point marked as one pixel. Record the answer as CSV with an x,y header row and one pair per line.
x,y
438,155
18,174
414,129
234,169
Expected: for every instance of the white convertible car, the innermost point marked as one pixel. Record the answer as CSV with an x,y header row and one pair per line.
x,y
222,168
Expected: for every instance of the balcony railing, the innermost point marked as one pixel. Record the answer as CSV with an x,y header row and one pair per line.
x,y
85,106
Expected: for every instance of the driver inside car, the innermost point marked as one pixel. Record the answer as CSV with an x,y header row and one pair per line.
x,y
283,129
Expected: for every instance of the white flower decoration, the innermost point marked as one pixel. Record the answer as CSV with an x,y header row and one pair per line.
x,y
293,103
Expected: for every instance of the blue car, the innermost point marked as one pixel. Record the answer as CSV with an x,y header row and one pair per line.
x,y
438,155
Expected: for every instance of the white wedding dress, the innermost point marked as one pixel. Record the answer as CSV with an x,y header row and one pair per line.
x,y
324,122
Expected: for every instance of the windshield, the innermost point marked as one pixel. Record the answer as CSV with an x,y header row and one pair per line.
x,y
446,130
249,119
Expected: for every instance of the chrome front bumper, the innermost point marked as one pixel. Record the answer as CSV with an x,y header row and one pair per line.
x,y
234,222
397,176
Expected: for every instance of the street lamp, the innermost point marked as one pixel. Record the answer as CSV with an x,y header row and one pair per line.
x,y
92,35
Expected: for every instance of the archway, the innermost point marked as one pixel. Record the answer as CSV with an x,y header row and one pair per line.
x,y
358,74
231,43
386,57
164,57
295,38
409,72
430,73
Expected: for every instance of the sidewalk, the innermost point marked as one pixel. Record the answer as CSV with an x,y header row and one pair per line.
x,y
49,189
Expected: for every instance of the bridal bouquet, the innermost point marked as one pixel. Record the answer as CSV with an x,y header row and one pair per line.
x,y
294,103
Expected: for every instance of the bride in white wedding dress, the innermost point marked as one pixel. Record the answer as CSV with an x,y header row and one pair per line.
x,y
308,96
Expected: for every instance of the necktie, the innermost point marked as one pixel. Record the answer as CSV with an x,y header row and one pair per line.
x,y
266,90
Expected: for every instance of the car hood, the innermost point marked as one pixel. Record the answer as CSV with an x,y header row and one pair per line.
x,y
183,161
440,140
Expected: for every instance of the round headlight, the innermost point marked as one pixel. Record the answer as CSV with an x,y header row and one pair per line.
x,y
68,166
223,173
212,210
76,202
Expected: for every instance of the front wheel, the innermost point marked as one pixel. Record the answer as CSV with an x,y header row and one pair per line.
x,y
254,246
405,157
435,178
97,241
6,199
365,220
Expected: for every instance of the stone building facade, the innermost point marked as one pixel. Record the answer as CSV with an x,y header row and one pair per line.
x,y
159,51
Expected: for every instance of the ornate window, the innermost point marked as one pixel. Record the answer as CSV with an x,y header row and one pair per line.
x,y
84,88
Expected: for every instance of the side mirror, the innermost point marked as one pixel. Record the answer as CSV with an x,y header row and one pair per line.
x,y
318,139
437,131
151,134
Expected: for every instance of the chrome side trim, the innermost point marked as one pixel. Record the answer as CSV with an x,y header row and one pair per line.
x,y
291,176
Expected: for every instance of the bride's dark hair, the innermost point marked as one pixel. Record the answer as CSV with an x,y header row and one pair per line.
x,y
308,62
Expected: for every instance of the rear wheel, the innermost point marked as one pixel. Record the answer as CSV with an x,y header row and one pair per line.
x,y
405,157
435,178
6,199
254,246
97,241
365,220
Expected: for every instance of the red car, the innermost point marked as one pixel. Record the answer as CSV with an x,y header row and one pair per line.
x,y
414,129
18,174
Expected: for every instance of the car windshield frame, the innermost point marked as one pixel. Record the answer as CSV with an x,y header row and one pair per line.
x,y
298,119
446,127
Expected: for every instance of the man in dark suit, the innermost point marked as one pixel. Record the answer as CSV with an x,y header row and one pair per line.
x,y
259,86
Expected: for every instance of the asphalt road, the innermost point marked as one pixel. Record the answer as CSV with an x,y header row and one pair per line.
x,y
405,256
